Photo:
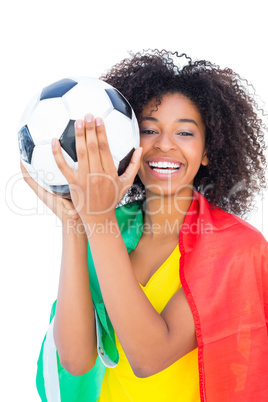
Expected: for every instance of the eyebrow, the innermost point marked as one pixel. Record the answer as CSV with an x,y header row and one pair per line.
x,y
148,118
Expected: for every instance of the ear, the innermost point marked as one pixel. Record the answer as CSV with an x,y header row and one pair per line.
x,y
205,160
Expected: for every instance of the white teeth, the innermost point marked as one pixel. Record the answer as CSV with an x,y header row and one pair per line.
x,y
167,171
165,164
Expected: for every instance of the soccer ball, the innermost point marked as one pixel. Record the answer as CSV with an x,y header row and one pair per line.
x,y
52,114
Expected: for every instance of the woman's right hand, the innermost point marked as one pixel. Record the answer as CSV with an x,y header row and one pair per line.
x,y
62,208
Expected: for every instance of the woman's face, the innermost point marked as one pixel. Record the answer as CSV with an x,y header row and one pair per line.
x,y
173,142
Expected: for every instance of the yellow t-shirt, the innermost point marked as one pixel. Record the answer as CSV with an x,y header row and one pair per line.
x,y
178,382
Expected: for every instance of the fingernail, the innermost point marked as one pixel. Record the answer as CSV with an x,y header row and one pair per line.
x,y
54,142
88,118
98,121
79,124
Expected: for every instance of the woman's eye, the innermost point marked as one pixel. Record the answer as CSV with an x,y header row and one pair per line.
x,y
185,133
147,132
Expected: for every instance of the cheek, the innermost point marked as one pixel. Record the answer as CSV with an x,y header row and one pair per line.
x,y
146,147
145,141
194,153
141,170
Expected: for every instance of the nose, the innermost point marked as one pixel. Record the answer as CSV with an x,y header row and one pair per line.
x,y
165,142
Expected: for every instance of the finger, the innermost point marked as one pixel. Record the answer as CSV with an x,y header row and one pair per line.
x,y
39,190
30,181
104,149
57,204
65,169
133,167
92,145
81,147
26,175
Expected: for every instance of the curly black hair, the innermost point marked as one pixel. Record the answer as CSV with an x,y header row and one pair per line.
x,y
234,123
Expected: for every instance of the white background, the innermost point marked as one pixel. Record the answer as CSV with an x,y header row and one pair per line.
x,y
42,42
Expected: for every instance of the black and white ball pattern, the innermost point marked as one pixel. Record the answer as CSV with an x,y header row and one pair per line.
x,y
52,114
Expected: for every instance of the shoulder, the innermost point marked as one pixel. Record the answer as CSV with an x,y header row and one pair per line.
x,y
224,221
210,226
242,232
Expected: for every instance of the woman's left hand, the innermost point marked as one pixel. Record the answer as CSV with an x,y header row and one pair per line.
x,y
95,186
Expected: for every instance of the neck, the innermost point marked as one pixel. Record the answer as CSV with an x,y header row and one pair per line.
x,y
164,215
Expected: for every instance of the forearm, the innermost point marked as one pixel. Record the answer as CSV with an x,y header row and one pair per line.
x,y
141,331
74,327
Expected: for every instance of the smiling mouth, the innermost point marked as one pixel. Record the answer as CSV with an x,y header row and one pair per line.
x,y
164,167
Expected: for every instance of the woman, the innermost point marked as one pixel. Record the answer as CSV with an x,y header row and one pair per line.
x,y
186,289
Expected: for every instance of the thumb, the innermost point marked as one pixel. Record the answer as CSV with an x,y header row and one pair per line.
x,y
133,166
